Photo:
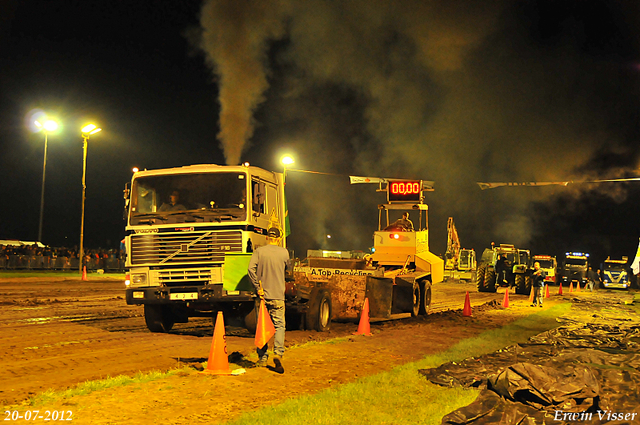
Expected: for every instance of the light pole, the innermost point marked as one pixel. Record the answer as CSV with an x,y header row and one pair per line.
x,y
286,160
47,127
87,131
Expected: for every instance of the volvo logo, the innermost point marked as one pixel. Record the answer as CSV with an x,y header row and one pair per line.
x,y
138,231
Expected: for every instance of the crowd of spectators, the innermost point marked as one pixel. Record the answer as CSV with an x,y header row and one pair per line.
x,y
45,257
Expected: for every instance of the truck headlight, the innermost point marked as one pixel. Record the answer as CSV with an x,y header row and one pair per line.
x,y
139,278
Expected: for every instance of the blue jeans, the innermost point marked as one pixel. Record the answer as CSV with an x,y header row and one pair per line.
x,y
538,294
276,311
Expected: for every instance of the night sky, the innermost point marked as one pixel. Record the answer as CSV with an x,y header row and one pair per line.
x,y
454,92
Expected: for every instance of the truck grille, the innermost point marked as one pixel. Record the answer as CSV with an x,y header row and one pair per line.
x,y
184,248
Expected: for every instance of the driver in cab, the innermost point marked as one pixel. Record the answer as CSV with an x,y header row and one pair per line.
x,y
173,204
403,224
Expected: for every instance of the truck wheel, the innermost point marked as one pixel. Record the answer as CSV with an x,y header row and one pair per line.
x,y
415,309
250,321
490,281
521,287
425,298
319,314
480,279
159,318
528,283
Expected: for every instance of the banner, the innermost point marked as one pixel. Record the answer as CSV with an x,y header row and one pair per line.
x,y
493,185
358,179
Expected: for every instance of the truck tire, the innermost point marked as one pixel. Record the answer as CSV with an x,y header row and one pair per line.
x,y
528,284
425,297
521,285
159,318
250,321
319,313
480,278
490,280
415,306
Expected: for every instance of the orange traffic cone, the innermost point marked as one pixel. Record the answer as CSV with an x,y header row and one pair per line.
x,y
505,301
578,287
218,363
363,327
531,295
265,329
466,311
84,273
560,289
546,294
571,287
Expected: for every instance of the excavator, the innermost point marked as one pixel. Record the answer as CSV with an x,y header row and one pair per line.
x,y
460,263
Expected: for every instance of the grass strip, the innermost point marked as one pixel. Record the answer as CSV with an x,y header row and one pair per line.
x,y
401,395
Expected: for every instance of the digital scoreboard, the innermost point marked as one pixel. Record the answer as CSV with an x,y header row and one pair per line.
x,y
404,191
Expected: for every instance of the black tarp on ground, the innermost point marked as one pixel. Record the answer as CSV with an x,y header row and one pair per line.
x,y
582,372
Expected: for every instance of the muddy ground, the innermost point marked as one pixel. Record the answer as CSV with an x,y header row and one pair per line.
x,y
58,333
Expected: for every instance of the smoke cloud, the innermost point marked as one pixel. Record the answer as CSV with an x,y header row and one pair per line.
x,y
451,91
235,36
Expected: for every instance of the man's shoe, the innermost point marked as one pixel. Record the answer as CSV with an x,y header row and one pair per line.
x,y
533,305
540,305
277,360
261,363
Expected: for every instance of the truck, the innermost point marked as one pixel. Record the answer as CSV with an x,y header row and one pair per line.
x,y
460,262
549,264
575,267
396,277
518,274
190,259
615,273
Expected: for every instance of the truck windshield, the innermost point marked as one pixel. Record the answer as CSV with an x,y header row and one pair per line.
x,y
545,264
179,198
614,266
576,262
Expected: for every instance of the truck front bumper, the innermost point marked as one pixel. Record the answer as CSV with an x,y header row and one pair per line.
x,y
185,294
625,285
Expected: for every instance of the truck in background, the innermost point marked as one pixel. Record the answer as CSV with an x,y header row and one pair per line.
x,y
549,264
575,267
615,273
518,274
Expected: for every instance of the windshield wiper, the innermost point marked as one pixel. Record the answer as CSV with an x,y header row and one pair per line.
x,y
149,219
189,213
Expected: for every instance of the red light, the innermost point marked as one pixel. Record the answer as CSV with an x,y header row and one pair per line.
x,y
394,236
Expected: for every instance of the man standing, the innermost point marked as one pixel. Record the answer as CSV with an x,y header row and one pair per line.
x,y
266,271
502,265
592,278
538,284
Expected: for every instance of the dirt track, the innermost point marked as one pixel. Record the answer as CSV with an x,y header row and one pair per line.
x,y
58,333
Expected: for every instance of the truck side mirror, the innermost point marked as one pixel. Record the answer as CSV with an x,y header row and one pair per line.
x,y
126,192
